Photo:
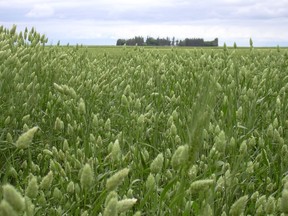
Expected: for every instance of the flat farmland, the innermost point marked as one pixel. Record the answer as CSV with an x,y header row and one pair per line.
x,y
141,130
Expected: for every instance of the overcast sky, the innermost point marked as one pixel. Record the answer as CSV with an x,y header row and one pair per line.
x,y
104,21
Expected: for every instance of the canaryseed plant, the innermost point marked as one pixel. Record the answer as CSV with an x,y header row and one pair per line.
x,y
243,148
9,138
71,187
284,199
125,205
201,185
30,208
25,139
238,206
59,125
157,164
81,106
111,208
150,182
241,93
116,153
13,197
57,194
180,157
220,142
87,177
12,172
112,194
270,205
47,181
115,180
32,189
6,209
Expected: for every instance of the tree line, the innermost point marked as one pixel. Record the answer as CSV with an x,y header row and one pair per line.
x,y
150,41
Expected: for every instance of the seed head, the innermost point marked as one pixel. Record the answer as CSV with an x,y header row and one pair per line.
x,y
57,194
180,156
32,189
201,185
87,177
13,197
26,138
47,181
220,142
116,151
239,206
9,138
59,124
284,199
270,206
125,205
157,164
81,106
150,182
243,148
112,194
6,209
111,208
113,182
70,187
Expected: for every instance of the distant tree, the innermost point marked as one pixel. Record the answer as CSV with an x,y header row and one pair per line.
x,y
121,42
150,41
177,43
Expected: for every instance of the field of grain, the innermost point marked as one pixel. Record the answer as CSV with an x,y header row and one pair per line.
x,y
141,131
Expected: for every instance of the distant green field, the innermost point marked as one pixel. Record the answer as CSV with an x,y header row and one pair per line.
x,y
118,51
141,130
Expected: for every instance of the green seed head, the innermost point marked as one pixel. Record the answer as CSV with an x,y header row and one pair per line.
x,y
138,213
26,138
125,205
111,208
6,209
284,199
81,107
9,138
150,182
32,189
173,130
220,142
116,151
157,164
47,181
87,177
270,206
113,182
70,187
112,194
84,213
29,207
13,197
57,194
201,185
12,172
243,148
180,157
238,206
59,125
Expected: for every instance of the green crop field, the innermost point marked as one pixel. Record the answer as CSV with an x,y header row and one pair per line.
x,y
141,130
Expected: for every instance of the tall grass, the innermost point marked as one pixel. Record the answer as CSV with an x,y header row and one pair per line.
x,y
180,132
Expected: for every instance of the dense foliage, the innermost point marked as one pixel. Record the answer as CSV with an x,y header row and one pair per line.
x,y
150,41
182,132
